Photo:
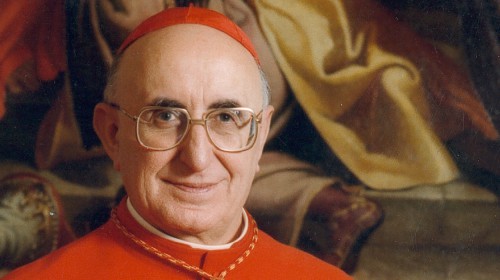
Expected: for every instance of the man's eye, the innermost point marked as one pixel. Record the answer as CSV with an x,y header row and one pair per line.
x,y
228,116
225,117
168,119
166,115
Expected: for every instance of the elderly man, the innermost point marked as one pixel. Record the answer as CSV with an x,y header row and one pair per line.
x,y
185,120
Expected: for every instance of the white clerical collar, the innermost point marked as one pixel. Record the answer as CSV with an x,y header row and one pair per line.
x,y
155,231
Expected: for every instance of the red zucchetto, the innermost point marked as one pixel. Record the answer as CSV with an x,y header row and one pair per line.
x,y
190,15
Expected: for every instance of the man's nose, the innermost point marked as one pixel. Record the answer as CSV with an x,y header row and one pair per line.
x,y
196,149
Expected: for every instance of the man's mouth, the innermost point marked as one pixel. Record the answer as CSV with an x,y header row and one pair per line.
x,y
194,187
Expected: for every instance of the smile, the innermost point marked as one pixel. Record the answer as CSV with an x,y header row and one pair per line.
x,y
194,188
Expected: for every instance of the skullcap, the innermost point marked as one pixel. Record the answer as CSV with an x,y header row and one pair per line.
x,y
190,15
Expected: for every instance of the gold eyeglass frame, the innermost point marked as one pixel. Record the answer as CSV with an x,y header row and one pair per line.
x,y
191,121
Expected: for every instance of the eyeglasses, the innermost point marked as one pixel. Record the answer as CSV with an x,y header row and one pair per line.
x,y
163,128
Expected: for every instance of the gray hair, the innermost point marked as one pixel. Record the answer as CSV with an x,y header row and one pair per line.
x,y
110,93
266,90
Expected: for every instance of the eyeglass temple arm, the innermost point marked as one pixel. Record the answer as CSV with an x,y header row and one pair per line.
x,y
117,107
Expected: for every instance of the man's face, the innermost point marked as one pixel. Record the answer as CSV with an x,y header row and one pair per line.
x,y
193,191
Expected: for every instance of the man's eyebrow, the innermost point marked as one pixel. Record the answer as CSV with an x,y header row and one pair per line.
x,y
165,102
228,103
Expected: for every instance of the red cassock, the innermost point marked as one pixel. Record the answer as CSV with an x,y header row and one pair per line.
x,y
123,249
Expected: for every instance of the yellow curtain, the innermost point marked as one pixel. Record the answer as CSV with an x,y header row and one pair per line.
x,y
352,68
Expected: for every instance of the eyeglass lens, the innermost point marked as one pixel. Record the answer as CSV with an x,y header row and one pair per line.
x,y
229,129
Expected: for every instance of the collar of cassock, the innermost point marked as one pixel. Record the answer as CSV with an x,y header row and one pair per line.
x,y
161,234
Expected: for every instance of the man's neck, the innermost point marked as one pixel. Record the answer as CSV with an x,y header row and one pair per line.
x,y
159,233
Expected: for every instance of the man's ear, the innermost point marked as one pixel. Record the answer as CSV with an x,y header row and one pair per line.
x,y
265,125
267,115
106,127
